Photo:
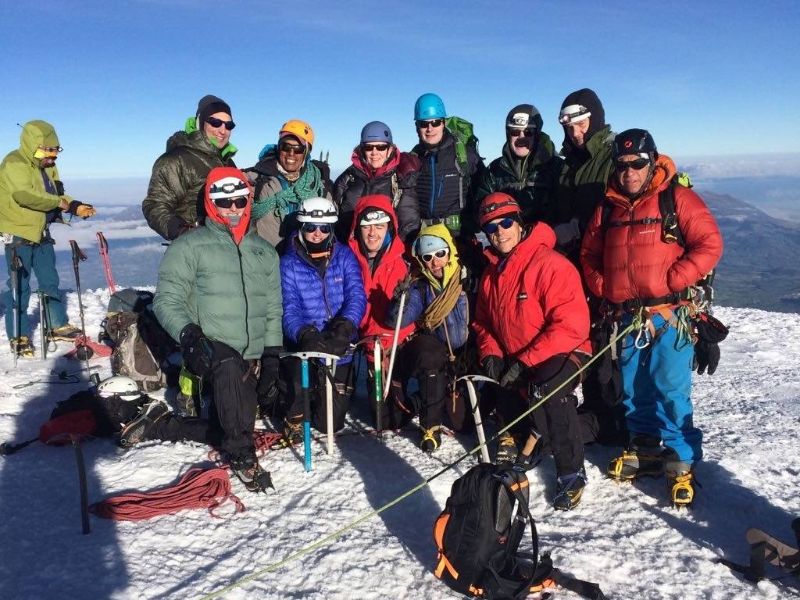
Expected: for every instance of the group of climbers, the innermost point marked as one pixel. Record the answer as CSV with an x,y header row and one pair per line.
x,y
518,269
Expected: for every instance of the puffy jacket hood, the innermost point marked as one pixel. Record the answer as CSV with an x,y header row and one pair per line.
x,y
35,134
237,231
453,267
663,172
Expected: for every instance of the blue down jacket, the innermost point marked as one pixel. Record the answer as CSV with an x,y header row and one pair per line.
x,y
310,299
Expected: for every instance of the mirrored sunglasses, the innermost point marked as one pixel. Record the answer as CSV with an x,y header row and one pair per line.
x,y
214,122
491,228
438,254
312,227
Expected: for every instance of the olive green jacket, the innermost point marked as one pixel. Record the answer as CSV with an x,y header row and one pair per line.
x,y
24,199
176,184
232,292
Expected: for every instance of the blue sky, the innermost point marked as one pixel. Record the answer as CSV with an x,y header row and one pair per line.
x,y
117,78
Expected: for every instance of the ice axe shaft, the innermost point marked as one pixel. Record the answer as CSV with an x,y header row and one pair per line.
x,y
76,443
16,263
476,412
377,360
77,257
395,341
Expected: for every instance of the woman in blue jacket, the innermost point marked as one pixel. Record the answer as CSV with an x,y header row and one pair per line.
x,y
323,304
437,303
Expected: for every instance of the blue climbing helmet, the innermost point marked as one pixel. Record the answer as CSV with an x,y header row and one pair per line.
x,y
376,131
429,106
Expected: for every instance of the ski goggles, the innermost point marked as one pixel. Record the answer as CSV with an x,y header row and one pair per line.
x,y
491,228
431,123
573,114
374,147
47,152
291,148
214,122
638,164
312,227
438,254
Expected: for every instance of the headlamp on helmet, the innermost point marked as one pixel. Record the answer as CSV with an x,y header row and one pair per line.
x,y
574,113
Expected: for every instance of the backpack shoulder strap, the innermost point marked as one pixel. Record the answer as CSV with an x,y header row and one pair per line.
x,y
670,231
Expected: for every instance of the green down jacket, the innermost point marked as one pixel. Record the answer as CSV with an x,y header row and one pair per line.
x,y
232,292
176,184
24,200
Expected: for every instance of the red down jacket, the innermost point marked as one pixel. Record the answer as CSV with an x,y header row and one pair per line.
x,y
630,262
531,304
379,283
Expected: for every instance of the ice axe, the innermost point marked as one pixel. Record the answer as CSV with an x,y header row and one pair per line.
x,y
304,378
476,412
16,265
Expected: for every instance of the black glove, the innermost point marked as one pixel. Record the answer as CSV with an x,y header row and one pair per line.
x,y
403,286
309,339
493,367
513,377
176,227
710,332
197,350
338,335
267,387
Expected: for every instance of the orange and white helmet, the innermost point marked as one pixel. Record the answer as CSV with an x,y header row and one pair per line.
x,y
299,129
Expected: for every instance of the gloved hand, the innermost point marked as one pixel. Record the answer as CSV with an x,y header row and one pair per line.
x,y
79,209
493,367
514,375
710,332
176,227
403,286
197,350
309,339
338,335
267,387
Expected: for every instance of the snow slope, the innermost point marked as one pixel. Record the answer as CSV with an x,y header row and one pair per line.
x,y
625,537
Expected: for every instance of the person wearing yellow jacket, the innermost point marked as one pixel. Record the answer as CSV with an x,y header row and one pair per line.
x,y
31,197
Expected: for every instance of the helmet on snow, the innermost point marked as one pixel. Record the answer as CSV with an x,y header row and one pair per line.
x,y
634,141
376,131
123,387
299,129
317,210
429,106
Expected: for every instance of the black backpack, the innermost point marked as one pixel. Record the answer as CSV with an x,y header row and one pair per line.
x,y
478,536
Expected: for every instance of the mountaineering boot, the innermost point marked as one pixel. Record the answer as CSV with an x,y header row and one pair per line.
x,y
250,473
292,431
570,490
139,429
531,453
65,333
431,439
680,479
22,346
642,458
506,449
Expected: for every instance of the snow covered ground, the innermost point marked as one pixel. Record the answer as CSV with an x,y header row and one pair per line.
x,y
624,537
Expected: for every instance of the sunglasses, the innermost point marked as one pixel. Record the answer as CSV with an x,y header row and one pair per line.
x,y
378,147
239,202
312,227
214,122
491,228
431,123
521,132
438,254
291,148
639,163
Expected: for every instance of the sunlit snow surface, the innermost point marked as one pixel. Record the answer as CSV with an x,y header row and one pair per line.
x,y
625,537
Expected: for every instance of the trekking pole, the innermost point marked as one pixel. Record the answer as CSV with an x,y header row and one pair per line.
x,y
102,246
42,323
476,412
377,360
83,350
394,344
76,443
16,263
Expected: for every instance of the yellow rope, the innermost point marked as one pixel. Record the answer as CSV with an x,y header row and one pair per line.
x,y
335,534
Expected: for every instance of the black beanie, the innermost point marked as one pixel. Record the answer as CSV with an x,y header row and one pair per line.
x,y
589,99
516,117
209,105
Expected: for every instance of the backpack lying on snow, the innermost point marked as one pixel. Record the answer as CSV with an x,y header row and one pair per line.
x,y
141,346
478,534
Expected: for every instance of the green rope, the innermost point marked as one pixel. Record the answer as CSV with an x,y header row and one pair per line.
x,y
339,532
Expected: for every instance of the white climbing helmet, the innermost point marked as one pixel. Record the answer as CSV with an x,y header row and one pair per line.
x,y
123,387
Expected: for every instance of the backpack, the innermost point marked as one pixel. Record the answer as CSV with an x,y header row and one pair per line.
x,y
478,534
464,133
141,346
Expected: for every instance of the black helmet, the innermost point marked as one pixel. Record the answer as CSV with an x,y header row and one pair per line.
x,y
635,141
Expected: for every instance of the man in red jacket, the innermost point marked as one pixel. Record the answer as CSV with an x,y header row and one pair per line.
x,y
532,323
630,259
